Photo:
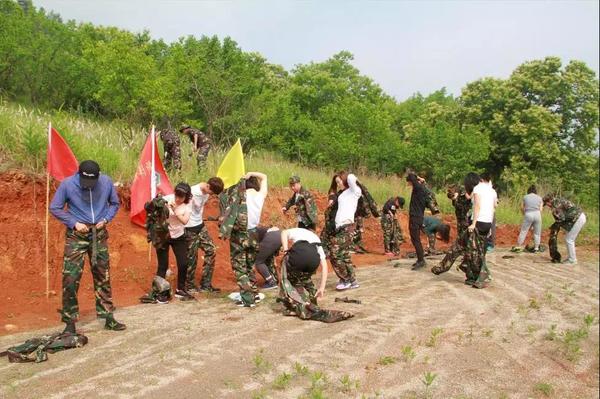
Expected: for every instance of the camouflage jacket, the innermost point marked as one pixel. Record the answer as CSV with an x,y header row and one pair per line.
x,y
169,137
235,211
390,207
366,204
306,208
330,214
462,208
203,140
157,226
565,213
37,349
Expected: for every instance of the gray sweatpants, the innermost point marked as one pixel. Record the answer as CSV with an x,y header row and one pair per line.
x,y
571,236
531,218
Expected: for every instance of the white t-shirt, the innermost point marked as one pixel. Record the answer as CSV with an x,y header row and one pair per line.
x,y
487,198
299,234
198,201
176,228
254,203
347,203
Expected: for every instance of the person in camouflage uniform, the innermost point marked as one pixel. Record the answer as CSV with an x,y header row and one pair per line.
x,y
432,227
392,233
569,217
329,228
304,203
157,227
238,226
198,237
366,208
297,290
200,142
92,202
172,147
462,207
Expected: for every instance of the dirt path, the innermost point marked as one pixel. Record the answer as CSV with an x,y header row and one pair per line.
x,y
492,343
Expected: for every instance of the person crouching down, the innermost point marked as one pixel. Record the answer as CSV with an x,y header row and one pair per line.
x,y
301,261
434,227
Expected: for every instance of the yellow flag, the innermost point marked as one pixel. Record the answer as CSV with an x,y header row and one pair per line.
x,y
232,168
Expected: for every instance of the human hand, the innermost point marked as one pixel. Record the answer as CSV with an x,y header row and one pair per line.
x,y
101,225
81,228
320,293
472,227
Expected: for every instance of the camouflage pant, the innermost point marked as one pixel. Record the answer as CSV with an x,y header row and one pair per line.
x,y
555,255
202,154
243,246
430,241
200,239
339,249
172,155
452,254
392,233
298,296
76,246
326,241
359,223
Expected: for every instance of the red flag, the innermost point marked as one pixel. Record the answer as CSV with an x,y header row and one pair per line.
x,y
142,186
60,161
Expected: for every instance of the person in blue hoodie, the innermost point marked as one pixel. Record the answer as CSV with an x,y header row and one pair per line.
x,y
91,203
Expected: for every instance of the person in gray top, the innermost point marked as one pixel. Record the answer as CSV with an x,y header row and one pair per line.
x,y
532,212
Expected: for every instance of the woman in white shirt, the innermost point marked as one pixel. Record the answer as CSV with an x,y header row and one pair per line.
x,y
341,242
179,215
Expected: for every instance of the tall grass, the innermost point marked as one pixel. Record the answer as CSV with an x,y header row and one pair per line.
x,y
116,147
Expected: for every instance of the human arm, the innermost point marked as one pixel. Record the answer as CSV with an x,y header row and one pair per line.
x,y
195,142
476,206
324,270
181,212
353,186
113,207
263,181
57,208
289,204
284,240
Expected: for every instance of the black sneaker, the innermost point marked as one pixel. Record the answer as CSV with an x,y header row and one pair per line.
x,y
209,288
418,265
112,324
184,296
191,289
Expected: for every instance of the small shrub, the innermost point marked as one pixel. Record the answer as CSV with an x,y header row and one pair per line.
x,y
282,381
387,360
544,388
408,353
432,341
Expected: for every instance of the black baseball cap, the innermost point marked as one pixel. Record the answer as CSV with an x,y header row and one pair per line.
x,y
89,172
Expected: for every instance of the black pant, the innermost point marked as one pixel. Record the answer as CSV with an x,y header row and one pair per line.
x,y
310,227
179,246
484,229
415,224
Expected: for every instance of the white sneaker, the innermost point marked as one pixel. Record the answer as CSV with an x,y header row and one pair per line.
x,y
354,284
343,286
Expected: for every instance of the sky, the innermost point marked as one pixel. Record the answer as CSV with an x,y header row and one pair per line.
x,y
404,46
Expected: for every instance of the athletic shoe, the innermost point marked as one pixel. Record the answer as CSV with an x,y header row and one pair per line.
x,y
162,300
241,304
489,249
418,265
270,285
570,262
390,254
354,284
192,289
112,324
343,286
516,248
184,296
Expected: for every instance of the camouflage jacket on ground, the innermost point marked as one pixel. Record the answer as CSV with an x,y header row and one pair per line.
x,y
565,212
157,226
169,137
235,211
306,208
366,204
37,349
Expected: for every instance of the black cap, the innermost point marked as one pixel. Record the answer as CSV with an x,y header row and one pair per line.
x,y
89,172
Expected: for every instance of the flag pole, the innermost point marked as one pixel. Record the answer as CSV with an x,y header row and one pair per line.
x,y
48,213
152,182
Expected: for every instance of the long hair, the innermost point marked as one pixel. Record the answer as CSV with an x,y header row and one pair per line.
x,y
471,180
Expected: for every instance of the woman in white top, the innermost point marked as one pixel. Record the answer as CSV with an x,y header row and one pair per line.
x,y
179,215
341,242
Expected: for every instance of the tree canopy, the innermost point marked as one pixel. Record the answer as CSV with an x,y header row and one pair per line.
x,y
538,125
